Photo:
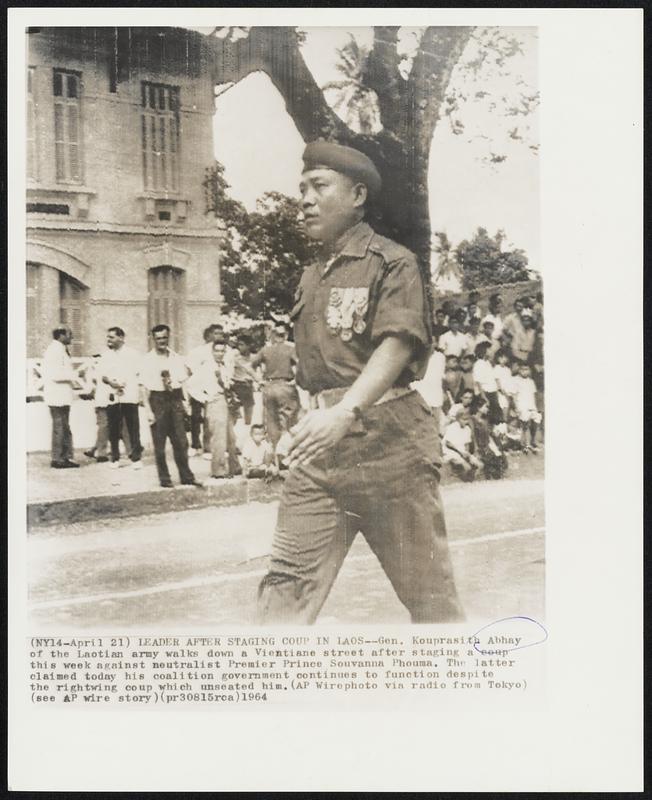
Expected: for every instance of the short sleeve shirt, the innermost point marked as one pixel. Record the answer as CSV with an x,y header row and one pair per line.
x,y
153,364
346,305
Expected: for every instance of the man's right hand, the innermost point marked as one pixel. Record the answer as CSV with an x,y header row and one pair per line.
x,y
150,416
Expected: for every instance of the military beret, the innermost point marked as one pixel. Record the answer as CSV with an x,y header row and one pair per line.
x,y
346,160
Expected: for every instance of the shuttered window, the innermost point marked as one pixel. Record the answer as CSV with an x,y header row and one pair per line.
x,y
72,311
160,136
66,88
32,147
167,301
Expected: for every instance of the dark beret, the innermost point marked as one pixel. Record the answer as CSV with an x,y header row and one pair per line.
x,y
346,160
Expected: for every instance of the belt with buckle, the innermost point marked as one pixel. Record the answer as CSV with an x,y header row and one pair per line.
x,y
327,398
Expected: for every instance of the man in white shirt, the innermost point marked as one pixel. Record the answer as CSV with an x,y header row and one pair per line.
x,y
118,369
431,387
162,376
495,307
214,381
195,359
454,342
59,380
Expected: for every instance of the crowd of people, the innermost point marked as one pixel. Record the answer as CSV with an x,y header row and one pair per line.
x,y
485,382
195,402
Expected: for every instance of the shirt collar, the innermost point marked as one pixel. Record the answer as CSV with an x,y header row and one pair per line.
x,y
353,243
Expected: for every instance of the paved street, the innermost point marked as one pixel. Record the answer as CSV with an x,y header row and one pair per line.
x,y
201,567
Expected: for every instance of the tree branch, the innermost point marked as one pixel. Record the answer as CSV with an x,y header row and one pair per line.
x,y
439,51
275,51
383,76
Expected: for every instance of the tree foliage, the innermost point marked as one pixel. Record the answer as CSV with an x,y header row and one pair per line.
x,y
263,252
484,262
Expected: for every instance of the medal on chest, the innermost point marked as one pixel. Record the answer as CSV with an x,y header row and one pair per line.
x,y
347,307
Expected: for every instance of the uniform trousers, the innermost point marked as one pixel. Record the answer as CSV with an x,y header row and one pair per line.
x,y
167,408
280,408
384,484
61,434
127,414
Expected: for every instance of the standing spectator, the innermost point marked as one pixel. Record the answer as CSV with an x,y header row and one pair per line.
x,y
472,310
504,381
494,315
118,369
526,407
280,397
162,376
258,455
59,380
453,342
458,447
524,337
244,378
431,387
439,326
512,321
485,383
194,362
216,379
101,399
488,331
474,335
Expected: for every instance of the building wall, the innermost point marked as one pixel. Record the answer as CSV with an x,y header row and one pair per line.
x,y
113,233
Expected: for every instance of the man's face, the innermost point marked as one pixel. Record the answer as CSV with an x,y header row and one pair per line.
x,y
217,333
524,371
243,348
161,339
455,324
488,329
66,338
113,341
452,362
331,203
467,364
466,399
257,435
474,325
218,352
439,317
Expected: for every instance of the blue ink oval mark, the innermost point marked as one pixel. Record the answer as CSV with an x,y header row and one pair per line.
x,y
509,634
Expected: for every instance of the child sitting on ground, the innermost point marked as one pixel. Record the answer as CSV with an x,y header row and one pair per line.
x,y
458,447
488,445
258,456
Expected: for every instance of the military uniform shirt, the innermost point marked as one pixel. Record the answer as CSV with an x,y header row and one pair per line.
x,y
370,288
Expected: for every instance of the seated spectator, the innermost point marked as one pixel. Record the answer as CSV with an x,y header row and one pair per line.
x,y
458,447
488,446
466,374
526,407
513,435
465,404
258,456
453,342
452,382
485,382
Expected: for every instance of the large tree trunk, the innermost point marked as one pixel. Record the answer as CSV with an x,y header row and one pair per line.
x,y
409,111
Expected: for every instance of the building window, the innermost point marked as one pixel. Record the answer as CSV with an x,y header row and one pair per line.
x,y
32,147
160,136
167,301
67,125
72,311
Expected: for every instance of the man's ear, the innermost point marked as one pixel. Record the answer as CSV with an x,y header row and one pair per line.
x,y
359,195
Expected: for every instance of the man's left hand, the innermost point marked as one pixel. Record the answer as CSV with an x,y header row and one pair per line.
x,y
317,432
